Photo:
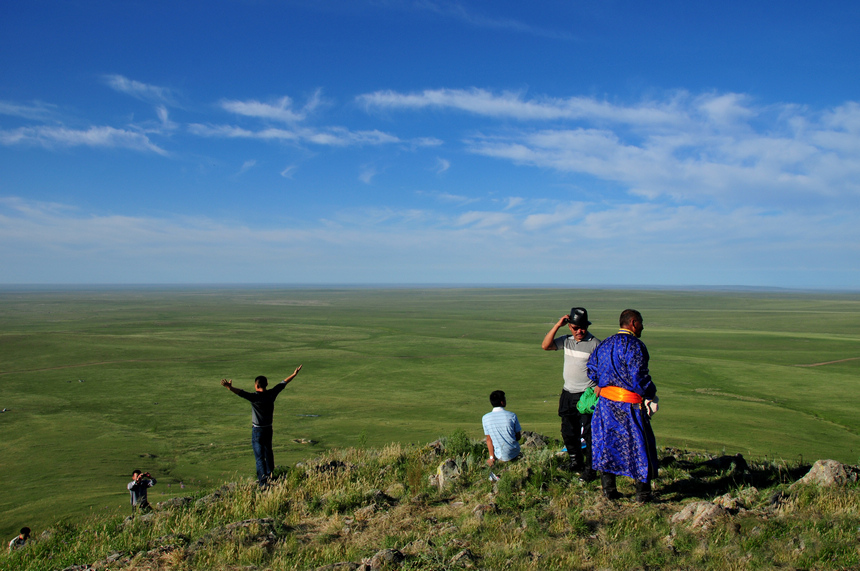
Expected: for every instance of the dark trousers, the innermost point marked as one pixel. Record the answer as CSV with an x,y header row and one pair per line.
x,y
574,426
261,440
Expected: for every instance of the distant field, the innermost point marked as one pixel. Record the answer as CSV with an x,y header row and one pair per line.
x,y
99,382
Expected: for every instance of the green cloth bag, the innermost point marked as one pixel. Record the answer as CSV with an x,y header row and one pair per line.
x,y
587,401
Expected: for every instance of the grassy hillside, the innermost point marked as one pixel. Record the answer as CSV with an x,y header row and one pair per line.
x,y
361,505
98,383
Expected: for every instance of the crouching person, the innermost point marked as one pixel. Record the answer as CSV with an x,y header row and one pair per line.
x,y
20,540
140,483
503,431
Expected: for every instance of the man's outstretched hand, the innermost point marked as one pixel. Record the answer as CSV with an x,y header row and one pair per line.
x,y
293,376
226,383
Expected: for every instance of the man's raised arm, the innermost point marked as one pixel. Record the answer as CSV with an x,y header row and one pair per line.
x,y
293,376
548,343
229,385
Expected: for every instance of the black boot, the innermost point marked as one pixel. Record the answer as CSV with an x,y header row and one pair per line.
x,y
607,484
643,492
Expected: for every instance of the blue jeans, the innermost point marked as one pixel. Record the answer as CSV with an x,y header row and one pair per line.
x,y
261,440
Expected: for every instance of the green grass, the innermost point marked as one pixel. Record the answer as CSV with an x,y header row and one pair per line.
x,y
379,366
348,504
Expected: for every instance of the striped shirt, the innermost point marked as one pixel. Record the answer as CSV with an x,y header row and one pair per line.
x,y
502,427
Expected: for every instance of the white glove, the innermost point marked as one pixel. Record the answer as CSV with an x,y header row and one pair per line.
x,y
652,406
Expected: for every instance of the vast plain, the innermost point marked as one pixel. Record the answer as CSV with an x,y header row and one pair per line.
x,y
98,382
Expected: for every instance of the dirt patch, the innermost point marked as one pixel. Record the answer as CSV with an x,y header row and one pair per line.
x,y
299,302
829,362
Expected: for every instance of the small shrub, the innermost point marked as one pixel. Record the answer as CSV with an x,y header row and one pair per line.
x,y
458,444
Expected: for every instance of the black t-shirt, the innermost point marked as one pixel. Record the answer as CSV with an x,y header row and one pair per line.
x,y
263,404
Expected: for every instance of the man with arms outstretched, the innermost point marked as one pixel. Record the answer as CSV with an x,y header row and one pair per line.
x,y
262,413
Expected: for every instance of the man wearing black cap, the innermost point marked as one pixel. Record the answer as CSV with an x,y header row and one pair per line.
x,y
578,347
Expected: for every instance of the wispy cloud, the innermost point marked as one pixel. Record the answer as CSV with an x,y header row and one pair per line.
x,y
102,137
367,173
448,198
432,246
720,147
36,111
514,105
280,110
164,117
331,136
442,165
459,11
247,165
139,90
562,214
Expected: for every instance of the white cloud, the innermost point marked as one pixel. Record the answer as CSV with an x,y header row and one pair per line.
x,y
143,91
460,12
627,244
332,136
37,111
247,165
104,137
278,111
480,219
289,171
711,147
515,106
512,202
367,173
442,165
562,214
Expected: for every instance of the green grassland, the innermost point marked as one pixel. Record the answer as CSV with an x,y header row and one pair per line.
x,y
380,365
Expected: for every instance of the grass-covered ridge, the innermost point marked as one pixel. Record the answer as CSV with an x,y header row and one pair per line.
x,y
100,382
347,505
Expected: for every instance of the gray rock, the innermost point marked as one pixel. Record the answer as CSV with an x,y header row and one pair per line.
x,y
729,502
464,558
830,473
215,496
342,566
177,502
533,440
447,473
700,515
386,558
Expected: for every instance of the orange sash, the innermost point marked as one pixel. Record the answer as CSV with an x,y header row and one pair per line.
x,y
620,395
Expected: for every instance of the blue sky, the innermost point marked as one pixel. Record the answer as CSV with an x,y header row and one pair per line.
x,y
486,142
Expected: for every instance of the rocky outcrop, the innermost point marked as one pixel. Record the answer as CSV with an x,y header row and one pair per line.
x,y
700,515
734,503
830,473
447,473
534,440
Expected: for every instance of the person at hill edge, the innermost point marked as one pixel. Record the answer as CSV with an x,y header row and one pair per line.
x,y
262,414
578,347
503,431
140,483
623,440
20,540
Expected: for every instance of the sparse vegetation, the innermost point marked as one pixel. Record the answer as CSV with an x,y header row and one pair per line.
x,y
348,505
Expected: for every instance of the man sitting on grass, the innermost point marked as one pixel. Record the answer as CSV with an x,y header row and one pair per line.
x,y
502,429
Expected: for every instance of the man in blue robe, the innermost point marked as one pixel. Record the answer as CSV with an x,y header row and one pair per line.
x,y
622,438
